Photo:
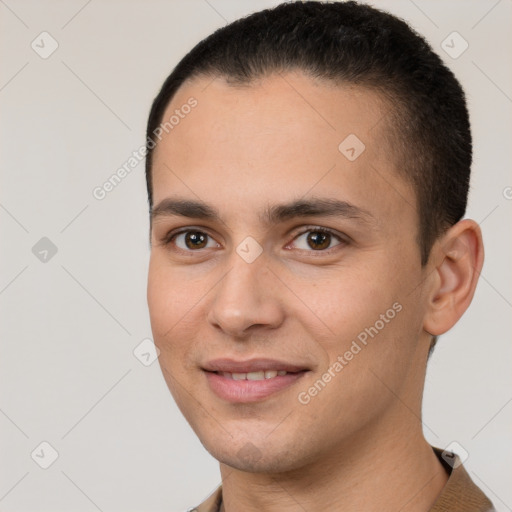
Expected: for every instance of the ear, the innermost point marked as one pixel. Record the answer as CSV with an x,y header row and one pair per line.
x,y
457,257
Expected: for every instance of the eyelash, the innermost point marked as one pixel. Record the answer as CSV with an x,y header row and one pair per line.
x,y
169,238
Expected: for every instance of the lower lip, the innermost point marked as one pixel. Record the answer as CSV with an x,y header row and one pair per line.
x,y
244,391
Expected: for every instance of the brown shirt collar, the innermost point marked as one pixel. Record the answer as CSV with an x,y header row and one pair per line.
x,y
460,494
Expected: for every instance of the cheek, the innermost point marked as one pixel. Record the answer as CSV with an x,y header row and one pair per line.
x,y
380,324
170,304
371,308
171,323
169,296
368,362
351,302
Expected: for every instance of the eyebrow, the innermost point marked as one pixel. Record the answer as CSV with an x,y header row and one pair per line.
x,y
271,215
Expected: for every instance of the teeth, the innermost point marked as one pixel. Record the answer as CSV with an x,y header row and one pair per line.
x,y
261,375
256,376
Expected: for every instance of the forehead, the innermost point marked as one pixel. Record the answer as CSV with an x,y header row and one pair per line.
x,y
291,103
282,134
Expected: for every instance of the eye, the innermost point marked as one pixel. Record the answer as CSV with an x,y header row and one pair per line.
x,y
317,239
191,240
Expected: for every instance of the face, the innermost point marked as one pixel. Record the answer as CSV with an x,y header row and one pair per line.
x,y
287,305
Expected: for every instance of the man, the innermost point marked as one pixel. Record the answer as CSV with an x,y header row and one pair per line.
x,y
307,172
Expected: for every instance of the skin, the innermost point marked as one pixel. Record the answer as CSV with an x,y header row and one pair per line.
x,y
358,444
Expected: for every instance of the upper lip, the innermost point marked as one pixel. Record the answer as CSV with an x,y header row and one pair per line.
x,y
250,365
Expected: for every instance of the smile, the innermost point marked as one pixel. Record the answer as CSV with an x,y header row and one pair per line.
x,y
251,380
261,375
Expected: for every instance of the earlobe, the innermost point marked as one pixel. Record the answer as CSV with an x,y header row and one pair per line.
x,y
459,259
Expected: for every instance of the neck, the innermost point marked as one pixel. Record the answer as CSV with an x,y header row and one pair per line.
x,y
381,468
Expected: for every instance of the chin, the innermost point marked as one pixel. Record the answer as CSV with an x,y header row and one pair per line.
x,y
255,456
265,463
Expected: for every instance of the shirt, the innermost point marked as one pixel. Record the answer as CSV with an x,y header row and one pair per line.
x,y
460,494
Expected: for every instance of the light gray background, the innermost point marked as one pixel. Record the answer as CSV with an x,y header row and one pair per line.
x,y
68,375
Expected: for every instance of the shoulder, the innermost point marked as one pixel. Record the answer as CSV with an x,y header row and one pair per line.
x,y
460,494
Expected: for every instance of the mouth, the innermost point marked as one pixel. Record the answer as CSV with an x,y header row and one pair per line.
x,y
252,380
260,375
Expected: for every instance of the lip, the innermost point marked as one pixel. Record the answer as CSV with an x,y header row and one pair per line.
x,y
247,391
251,365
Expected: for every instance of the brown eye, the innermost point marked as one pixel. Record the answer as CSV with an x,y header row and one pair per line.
x,y
195,239
317,240
192,240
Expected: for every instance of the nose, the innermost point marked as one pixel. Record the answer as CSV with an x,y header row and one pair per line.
x,y
246,299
